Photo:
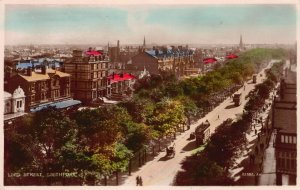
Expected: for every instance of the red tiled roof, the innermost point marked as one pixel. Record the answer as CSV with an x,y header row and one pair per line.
x,y
231,56
117,77
209,60
94,53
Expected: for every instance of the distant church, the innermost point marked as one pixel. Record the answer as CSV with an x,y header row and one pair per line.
x,y
241,42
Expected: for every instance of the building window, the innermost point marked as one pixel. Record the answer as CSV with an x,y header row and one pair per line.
x,y
32,98
294,140
290,139
286,139
282,138
94,95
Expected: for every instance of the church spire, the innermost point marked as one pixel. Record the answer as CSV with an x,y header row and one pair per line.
x,y
144,44
241,41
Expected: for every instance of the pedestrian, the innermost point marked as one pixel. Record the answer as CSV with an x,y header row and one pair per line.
x,y
141,181
137,180
218,116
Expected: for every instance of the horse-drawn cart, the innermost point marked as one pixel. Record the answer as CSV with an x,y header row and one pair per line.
x,y
170,151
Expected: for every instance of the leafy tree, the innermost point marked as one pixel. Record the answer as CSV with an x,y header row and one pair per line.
x,y
167,116
190,108
173,90
98,129
140,109
51,131
137,136
200,170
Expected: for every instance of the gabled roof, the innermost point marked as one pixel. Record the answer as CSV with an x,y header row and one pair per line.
x,y
119,77
93,52
36,76
7,95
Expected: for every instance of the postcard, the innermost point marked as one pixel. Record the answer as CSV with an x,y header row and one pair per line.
x,y
169,94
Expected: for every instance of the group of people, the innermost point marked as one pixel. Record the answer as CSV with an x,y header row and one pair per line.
x,y
139,181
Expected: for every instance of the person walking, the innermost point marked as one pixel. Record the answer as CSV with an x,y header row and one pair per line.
x,y
140,181
137,180
218,116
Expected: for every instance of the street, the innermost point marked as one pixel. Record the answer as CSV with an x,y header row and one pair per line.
x,y
161,171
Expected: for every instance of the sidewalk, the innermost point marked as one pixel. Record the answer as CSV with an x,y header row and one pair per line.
x,y
268,176
261,171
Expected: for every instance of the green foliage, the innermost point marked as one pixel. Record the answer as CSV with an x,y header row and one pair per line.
x,y
200,170
167,116
137,136
140,109
121,157
173,90
224,144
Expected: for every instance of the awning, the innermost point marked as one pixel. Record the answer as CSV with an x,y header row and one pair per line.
x,y
58,105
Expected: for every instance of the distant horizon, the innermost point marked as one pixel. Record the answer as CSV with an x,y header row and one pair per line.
x,y
136,45
172,24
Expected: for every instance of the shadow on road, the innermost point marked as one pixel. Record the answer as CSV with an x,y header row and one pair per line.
x,y
165,158
190,146
191,138
230,106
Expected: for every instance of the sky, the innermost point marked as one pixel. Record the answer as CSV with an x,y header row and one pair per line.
x,y
160,24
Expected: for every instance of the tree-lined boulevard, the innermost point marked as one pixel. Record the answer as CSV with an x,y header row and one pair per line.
x,y
159,172
101,144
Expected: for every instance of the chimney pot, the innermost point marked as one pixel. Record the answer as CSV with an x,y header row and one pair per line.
x,y
29,71
44,69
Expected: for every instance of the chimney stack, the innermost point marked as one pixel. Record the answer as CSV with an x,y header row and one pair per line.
x,y
29,71
77,53
43,69
118,51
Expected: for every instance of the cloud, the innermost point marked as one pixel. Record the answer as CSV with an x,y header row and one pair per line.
x,y
203,29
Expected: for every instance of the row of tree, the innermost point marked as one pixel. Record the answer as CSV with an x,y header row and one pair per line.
x,y
201,90
210,167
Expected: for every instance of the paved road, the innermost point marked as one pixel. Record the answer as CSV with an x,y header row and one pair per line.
x,y
160,171
268,176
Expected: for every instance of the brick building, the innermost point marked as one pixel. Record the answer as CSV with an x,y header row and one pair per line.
x,y
121,85
41,87
169,59
88,72
285,123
